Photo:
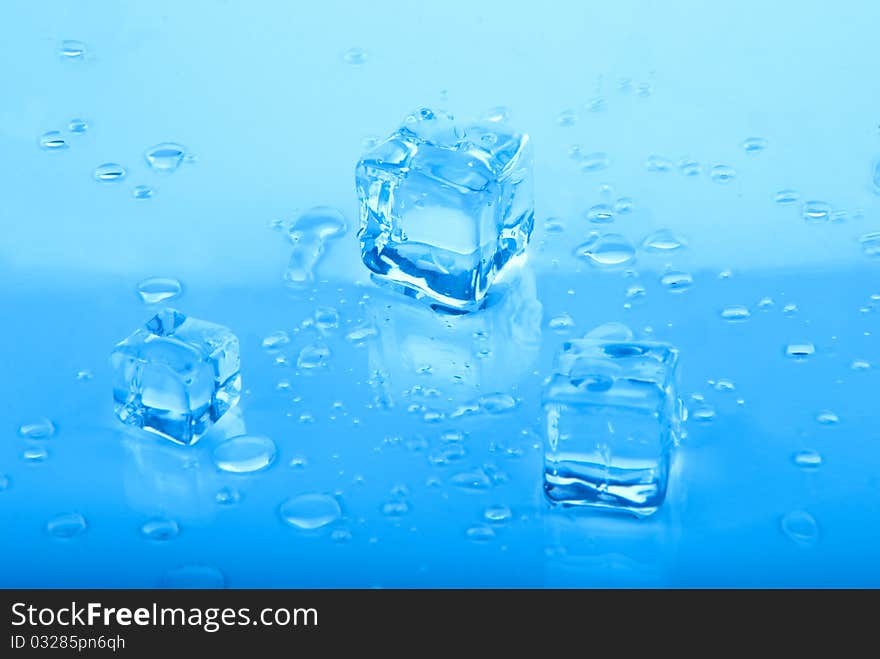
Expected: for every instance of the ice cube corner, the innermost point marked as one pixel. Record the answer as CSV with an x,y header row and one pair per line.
x,y
612,418
176,376
445,207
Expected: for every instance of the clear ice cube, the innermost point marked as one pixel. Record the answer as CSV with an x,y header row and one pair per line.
x,y
176,376
445,207
612,416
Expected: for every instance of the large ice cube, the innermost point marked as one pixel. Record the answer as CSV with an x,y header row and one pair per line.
x,y
176,376
612,417
445,207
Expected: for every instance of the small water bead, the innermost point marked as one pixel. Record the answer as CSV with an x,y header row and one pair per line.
x,y
566,118
35,454
448,454
227,496
597,104
313,357
643,90
326,318
496,403
787,196
635,291
608,250
610,332
754,145
165,157
142,192
498,514
816,211
355,56
655,163
340,535
361,334
724,385
154,290
72,49
766,303
498,114
875,175
245,454
838,216
790,309
77,126
4,482
53,140
595,162
807,459
690,167
827,418
871,244
480,533
800,527
309,512
676,281
736,313
67,525
703,413
160,529
395,508
663,240
109,172
471,480
276,340
722,174
561,323
193,577
799,350
860,365
600,214
554,225
623,205
39,429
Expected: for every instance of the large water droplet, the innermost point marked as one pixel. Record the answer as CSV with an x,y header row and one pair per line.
x,y
816,211
736,313
610,249
310,511
313,356
245,454
159,289
194,577
356,56
39,429
807,459
860,365
53,140
165,157
800,527
799,350
326,318
109,172
663,240
67,525
722,174
72,50
676,281
160,529
754,145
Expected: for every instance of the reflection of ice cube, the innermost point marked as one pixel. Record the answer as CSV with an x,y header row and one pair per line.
x,y
445,207
445,360
612,418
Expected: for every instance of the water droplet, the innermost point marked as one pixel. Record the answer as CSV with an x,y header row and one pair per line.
x,y
623,205
53,140
472,480
77,126
600,214
227,496
690,167
497,114
816,211
754,145
554,225
800,527
109,172
395,508
871,244
35,454
142,192
655,163
799,350
480,533
722,174
839,216
566,118
736,313
561,323
766,303
276,340
4,482
790,309
310,511
676,281
703,414
313,356
67,525
360,334
72,49
160,529
498,514
165,157
860,365
827,418
447,454
496,403
356,56
245,454
610,332
875,176
636,290
308,234
39,429
154,290
787,196
194,577
807,459
326,318
595,162
610,249
663,240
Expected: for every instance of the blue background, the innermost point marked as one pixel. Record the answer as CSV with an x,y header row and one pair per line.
x,y
261,93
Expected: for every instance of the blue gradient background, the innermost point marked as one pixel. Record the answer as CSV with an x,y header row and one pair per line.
x,y
261,93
